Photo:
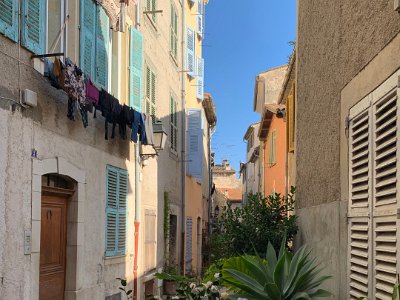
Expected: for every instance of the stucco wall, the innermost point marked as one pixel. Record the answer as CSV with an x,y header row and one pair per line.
x,y
274,175
47,129
336,40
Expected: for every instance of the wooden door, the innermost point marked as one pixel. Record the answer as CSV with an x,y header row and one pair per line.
x,y
53,247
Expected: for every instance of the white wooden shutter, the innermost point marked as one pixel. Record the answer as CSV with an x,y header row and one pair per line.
x,y
190,52
195,144
359,198
385,195
373,197
150,241
200,16
189,233
200,79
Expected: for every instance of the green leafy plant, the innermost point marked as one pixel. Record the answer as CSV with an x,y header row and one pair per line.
x,y
250,229
285,276
123,287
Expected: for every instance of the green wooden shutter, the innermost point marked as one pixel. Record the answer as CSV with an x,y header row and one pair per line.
x,y
102,38
87,36
136,69
122,209
189,254
33,25
200,79
9,19
190,52
116,211
111,211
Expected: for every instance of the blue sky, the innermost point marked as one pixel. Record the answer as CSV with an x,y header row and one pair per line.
x,y
242,39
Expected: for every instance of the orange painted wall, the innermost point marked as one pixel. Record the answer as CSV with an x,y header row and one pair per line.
x,y
274,176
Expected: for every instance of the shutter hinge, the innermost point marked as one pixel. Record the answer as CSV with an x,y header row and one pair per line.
x,y
347,125
398,213
347,218
398,82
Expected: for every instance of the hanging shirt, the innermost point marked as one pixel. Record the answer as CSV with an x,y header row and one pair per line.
x,y
138,128
149,129
92,93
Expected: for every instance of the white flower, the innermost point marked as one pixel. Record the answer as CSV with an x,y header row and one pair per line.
x,y
196,291
217,275
192,285
214,289
208,284
175,297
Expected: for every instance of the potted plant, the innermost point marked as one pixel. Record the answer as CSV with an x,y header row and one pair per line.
x,y
170,279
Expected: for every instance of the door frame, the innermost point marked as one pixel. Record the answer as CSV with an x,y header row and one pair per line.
x,y
75,223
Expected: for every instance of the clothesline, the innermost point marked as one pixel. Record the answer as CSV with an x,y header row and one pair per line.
x,y
84,97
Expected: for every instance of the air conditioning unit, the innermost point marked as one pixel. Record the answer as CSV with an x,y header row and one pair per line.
x,y
29,98
397,5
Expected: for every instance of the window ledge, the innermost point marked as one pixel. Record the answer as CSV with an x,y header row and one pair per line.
x,y
113,260
173,154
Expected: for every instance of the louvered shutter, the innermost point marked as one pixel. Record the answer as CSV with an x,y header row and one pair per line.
x,y
136,69
200,15
101,55
9,19
189,233
150,241
153,96
122,209
33,25
190,52
360,142
112,211
385,204
195,145
116,209
87,37
200,79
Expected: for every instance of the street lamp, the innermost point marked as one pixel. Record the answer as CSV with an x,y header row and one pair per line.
x,y
159,139
159,136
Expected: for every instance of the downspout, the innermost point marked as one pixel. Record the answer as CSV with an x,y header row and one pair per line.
x,y
183,130
137,191
209,180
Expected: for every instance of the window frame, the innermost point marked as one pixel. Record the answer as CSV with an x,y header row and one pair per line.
x,y
150,213
174,32
173,117
150,106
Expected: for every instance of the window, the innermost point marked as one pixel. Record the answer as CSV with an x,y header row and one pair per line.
x,y
150,242
173,120
9,19
34,17
150,93
55,26
152,6
373,198
290,104
94,42
116,203
195,144
174,32
250,142
200,18
135,69
188,252
190,52
272,148
200,79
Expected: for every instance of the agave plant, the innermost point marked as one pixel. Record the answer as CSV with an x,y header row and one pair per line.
x,y
287,276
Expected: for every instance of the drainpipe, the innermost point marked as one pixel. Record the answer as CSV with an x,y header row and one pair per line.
x,y
137,191
183,130
209,180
